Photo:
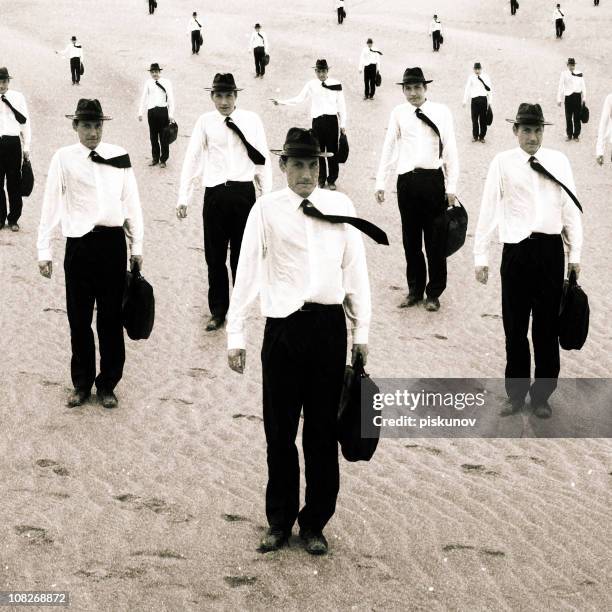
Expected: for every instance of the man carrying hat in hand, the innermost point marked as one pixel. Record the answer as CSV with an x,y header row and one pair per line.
x,y
305,258
158,99
421,137
91,190
328,113
529,197
228,153
15,137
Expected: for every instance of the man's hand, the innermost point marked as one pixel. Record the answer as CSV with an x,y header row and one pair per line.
x,y
45,268
600,160
274,101
575,267
380,195
451,198
359,349
236,359
26,155
135,260
343,130
482,274
558,103
139,117
181,211
171,119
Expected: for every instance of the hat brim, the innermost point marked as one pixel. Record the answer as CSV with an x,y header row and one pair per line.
x,y
415,82
321,67
299,153
223,89
529,122
152,69
89,117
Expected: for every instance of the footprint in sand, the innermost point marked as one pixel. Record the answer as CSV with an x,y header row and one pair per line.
x,y
440,337
155,505
200,372
176,399
34,535
50,383
536,460
57,468
429,449
161,220
236,581
248,417
450,547
395,288
54,310
487,551
196,249
162,554
234,518
471,468
486,315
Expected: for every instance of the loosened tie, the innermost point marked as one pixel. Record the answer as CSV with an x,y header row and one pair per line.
x,y
484,84
337,87
254,155
369,229
423,117
121,161
538,167
20,118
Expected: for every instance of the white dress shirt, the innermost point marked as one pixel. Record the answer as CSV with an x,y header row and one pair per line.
x,y
434,26
557,14
413,144
193,24
474,88
605,126
9,126
256,40
215,154
339,4
289,259
322,101
81,194
519,201
72,50
153,95
569,84
369,56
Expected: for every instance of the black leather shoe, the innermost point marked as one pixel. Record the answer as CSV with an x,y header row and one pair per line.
x,y
321,184
411,300
214,323
432,304
512,406
77,398
274,539
314,542
14,227
107,398
542,410
153,163
332,186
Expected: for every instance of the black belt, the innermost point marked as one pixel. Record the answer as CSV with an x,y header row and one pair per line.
x,y
105,228
314,307
540,235
424,171
231,183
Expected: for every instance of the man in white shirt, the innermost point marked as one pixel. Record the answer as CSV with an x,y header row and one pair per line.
x,y
74,51
15,137
340,11
523,198
478,90
328,113
195,29
369,63
605,129
435,31
421,138
558,18
311,275
227,153
572,90
259,44
91,190
158,100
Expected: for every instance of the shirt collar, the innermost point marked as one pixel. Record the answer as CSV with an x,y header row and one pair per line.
x,y
296,199
87,151
527,156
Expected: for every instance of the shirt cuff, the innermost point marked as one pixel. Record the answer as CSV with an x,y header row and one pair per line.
x,y
45,255
574,256
136,248
360,335
451,187
481,260
235,340
380,184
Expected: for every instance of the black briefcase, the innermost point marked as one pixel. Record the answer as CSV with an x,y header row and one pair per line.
x,y
138,306
201,39
573,315
81,69
343,149
266,60
27,178
378,79
489,115
456,219
584,113
358,390
170,132
441,39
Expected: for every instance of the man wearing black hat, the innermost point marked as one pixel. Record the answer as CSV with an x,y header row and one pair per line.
x,y
572,91
74,51
559,19
529,197
310,272
435,31
195,29
341,11
478,90
421,137
92,191
158,99
259,44
15,137
328,113
369,63
228,153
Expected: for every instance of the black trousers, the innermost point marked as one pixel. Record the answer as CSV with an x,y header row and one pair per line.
x,y
95,267
325,128
595,2
158,120
369,79
422,204
513,7
340,15
10,170
435,37
195,41
225,213
558,27
532,281
479,117
75,69
573,106
259,54
303,360
151,6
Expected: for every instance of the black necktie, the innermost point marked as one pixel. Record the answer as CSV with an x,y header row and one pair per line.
x,y
484,84
162,88
337,87
538,167
375,51
121,161
20,118
423,117
254,155
369,229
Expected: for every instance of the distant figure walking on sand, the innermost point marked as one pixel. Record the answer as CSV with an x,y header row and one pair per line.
x,y
91,190
605,129
74,51
513,6
558,18
369,64
525,201
340,11
152,6
435,31
478,90
195,29
259,44
572,91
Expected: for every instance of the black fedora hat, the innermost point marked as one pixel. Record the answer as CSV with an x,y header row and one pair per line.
x,y
321,64
529,114
73,38
301,142
89,110
155,66
571,60
477,66
223,81
4,74
413,76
